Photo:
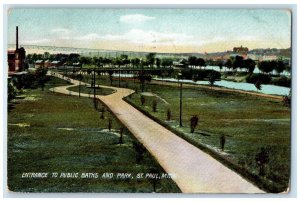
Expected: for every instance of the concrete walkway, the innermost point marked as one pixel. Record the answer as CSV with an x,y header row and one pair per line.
x,y
194,170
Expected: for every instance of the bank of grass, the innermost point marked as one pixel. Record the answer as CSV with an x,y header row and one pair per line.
x,y
89,90
248,122
60,133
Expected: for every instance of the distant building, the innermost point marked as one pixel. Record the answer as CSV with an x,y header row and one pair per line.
x,y
39,63
56,63
241,51
16,58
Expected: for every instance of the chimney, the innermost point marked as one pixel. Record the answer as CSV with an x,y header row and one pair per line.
x,y
17,38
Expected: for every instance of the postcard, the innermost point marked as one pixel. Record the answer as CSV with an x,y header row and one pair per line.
x,y
149,100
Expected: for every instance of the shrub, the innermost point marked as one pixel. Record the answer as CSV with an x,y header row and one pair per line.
x,y
139,151
121,135
194,122
11,91
282,81
262,158
109,124
169,114
222,142
143,100
154,105
263,78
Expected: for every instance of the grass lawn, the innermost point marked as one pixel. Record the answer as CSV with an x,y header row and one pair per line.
x,y
49,132
249,123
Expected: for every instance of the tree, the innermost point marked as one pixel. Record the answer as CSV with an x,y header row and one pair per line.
x,y
228,63
266,66
212,78
154,105
193,123
249,65
40,74
200,62
238,62
258,85
220,64
150,58
222,142
143,100
157,62
286,100
11,91
109,124
262,158
167,62
135,62
280,67
121,136
192,61
169,114
102,111
139,150
110,73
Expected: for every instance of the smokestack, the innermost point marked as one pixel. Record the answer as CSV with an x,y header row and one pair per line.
x,y
17,38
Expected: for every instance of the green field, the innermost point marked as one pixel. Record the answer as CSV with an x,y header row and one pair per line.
x,y
50,132
248,122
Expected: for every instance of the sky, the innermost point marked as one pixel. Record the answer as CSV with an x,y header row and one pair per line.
x,y
155,30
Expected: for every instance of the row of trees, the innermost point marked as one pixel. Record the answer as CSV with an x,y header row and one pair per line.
x,y
25,81
150,60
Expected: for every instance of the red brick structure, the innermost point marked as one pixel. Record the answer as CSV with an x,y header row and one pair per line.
x,y
16,58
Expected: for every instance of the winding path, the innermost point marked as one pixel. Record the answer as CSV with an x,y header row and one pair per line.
x,y
194,170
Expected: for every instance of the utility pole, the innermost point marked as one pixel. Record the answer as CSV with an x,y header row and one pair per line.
x,y
119,76
79,87
180,115
180,100
94,84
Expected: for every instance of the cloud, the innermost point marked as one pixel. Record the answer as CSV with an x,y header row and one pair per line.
x,y
60,31
135,18
88,37
149,37
37,41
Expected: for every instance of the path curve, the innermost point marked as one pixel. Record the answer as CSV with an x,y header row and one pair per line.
x,y
194,170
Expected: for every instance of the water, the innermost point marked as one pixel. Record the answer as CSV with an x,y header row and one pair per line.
x,y
266,89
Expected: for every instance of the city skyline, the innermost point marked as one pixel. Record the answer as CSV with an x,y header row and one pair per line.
x,y
153,30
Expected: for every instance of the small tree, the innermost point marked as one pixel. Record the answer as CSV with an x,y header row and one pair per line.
x,y
121,136
222,142
143,100
154,105
194,122
262,158
102,110
286,100
11,92
212,78
258,85
140,150
169,114
109,124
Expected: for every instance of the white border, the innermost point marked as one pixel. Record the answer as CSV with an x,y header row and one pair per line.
x,y
165,4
